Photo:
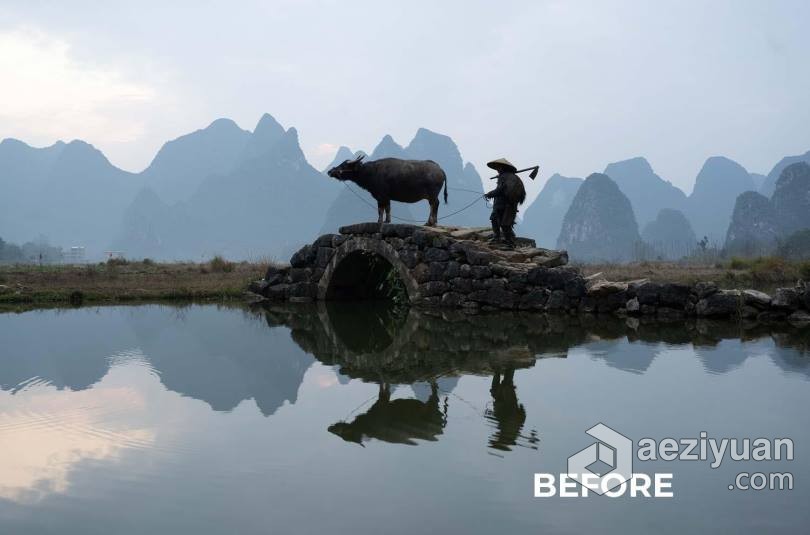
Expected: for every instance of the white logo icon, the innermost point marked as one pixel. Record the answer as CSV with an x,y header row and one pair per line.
x,y
611,457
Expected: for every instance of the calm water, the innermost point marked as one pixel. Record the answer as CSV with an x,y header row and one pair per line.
x,y
202,419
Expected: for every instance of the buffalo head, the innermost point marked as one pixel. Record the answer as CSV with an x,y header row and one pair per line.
x,y
347,431
347,169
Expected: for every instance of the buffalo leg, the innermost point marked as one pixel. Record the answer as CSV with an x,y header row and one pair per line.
x,y
380,212
388,212
433,218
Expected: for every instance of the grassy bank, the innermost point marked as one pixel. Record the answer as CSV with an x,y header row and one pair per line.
x,y
763,272
121,281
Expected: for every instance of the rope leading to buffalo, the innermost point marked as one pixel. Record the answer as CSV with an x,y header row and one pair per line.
x,y
405,219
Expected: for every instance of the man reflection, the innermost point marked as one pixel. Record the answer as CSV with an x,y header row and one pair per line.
x,y
398,421
507,414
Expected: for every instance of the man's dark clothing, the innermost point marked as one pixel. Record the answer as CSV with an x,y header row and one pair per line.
x,y
506,196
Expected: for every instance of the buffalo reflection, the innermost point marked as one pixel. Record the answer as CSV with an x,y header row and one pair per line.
x,y
398,421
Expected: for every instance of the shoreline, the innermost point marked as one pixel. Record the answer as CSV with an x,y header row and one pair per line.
x,y
119,282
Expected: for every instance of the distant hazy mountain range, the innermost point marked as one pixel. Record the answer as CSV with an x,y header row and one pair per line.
x,y
759,224
242,194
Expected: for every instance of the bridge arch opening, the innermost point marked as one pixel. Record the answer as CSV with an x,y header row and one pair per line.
x,y
363,275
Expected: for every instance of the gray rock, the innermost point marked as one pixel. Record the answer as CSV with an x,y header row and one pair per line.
x,y
300,274
749,312
258,287
517,287
673,295
422,238
689,307
324,241
598,289
277,292
303,289
611,302
648,293
480,272
465,270
632,306
275,273
669,314
574,288
421,273
720,303
396,230
303,257
771,316
323,256
546,257
647,310
800,318
785,299
480,258
705,289
433,288
498,297
556,301
436,271
756,299
461,285
535,299
409,257
587,305
552,278
485,284
434,254
452,299
360,228
452,270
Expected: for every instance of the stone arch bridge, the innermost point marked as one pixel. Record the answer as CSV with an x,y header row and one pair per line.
x,y
433,266
458,268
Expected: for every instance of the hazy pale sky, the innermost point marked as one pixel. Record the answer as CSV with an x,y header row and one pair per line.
x,y
571,85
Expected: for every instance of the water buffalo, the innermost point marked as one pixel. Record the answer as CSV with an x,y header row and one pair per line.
x,y
392,179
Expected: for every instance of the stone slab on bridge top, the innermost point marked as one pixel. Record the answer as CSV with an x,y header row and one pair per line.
x,y
525,250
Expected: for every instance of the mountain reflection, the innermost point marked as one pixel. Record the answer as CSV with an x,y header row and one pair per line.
x,y
224,356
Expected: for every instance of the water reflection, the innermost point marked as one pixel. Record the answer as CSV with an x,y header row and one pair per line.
x,y
397,421
263,353
507,414
247,412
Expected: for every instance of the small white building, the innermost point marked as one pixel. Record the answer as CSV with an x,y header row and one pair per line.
x,y
74,255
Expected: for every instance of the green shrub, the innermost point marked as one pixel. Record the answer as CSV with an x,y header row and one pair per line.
x,y
739,263
804,270
220,265
770,268
117,262
796,246
148,262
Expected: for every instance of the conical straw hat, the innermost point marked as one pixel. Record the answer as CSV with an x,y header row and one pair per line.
x,y
500,164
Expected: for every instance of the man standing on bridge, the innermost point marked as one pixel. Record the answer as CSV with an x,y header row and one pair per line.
x,y
507,195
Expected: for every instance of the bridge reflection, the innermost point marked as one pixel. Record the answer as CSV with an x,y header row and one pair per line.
x,y
226,355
